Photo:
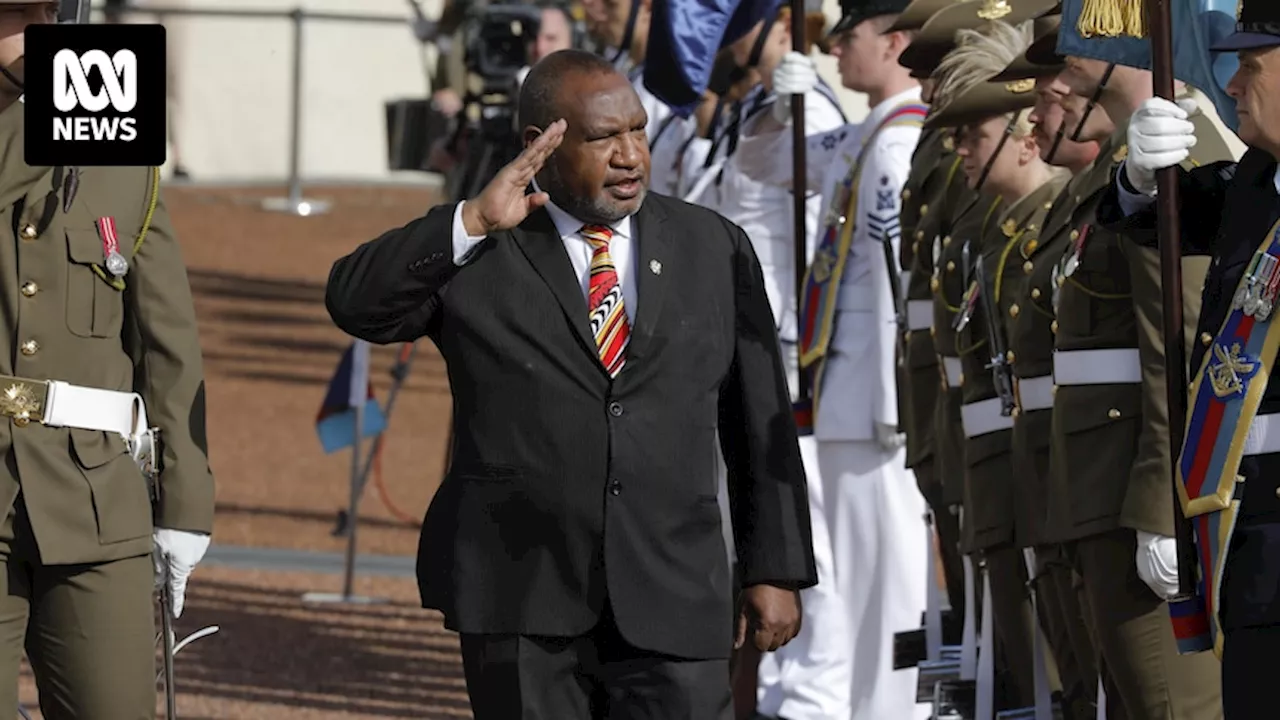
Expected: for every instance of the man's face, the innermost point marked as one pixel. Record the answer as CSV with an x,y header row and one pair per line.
x,y
1048,118
614,28
1256,90
596,17
979,143
554,34
14,20
600,172
861,53
1081,78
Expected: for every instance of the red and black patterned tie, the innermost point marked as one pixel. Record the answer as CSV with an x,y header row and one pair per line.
x,y
604,301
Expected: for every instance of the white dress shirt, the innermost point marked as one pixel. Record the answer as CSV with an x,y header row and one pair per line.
x,y
575,245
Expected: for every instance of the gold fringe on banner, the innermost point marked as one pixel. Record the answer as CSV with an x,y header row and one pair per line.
x,y
1112,18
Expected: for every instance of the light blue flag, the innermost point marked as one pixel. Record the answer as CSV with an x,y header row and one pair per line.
x,y
1197,25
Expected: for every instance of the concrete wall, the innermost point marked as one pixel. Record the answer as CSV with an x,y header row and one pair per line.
x,y
232,77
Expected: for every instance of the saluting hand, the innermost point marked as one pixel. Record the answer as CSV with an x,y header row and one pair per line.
x,y
503,203
770,617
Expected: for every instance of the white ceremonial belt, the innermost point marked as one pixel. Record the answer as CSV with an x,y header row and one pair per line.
x,y
87,408
1035,393
919,315
984,417
1114,366
953,371
1264,435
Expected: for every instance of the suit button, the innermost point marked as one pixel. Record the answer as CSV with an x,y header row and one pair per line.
x,y
951,266
1075,234
946,241
1028,266
919,235
924,210
1278,492
1009,357
29,289
615,487
615,409
1035,293
29,232
1013,311
906,193
30,347
1053,327
1114,414
1206,339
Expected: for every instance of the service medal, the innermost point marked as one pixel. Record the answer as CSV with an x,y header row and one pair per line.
x,y
115,262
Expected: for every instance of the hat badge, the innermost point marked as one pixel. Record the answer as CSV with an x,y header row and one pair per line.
x,y
1018,87
994,9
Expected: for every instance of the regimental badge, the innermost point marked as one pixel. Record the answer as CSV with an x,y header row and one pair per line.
x,y
1021,87
1120,154
949,143
1009,228
1231,371
19,402
994,9
824,261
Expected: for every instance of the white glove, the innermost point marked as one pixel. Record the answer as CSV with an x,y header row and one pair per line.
x,y
889,438
1160,136
1157,559
179,552
795,75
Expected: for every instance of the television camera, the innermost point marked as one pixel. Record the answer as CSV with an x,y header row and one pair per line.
x,y
483,136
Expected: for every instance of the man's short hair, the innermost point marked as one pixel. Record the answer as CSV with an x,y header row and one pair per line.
x,y
539,95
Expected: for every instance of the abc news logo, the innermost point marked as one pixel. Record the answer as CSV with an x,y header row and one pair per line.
x,y
95,95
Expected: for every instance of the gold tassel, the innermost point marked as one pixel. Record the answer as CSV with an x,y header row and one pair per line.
x,y
1112,18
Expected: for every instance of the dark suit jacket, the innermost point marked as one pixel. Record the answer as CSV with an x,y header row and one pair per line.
x,y
1227,211
567,488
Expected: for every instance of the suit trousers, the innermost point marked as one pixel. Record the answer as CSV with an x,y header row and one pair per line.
x,y
1144,676
875,516
1062,614
88,631
597,676
810,677
1015,624
1250,613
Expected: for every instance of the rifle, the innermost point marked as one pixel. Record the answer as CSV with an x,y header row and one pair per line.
x,y
1001,371
899,301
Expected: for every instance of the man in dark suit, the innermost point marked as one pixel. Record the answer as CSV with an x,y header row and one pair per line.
x,y
596,337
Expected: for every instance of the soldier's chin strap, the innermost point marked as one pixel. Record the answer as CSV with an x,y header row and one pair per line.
x,y
1057,143
13,78
1093,102
991,161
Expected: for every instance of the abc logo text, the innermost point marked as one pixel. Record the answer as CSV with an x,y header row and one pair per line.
x,y
72,92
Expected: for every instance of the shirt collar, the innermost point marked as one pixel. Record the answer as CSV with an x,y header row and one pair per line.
x,y
568,225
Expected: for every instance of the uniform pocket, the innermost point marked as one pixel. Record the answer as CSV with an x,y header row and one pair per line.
x,y
120,500
94,307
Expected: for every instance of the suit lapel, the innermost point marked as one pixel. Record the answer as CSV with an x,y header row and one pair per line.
x,y
651,256
538,239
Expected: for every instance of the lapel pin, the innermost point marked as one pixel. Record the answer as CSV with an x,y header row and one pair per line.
x,y
655,267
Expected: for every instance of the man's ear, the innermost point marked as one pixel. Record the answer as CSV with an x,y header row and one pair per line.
x,y
531,133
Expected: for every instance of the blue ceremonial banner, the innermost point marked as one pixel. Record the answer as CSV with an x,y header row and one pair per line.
x,y
684,37
1197,25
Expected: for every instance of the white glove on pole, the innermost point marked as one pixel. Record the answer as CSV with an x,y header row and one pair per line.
x,y
1160,136
795,75
1157,560
179,551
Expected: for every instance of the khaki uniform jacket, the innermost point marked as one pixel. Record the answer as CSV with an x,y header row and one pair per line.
x,y
934,169
86,498
994,502
1110,446
947,284
1030,336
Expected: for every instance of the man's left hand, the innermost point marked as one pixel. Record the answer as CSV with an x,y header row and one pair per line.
x,y
770,617
178,551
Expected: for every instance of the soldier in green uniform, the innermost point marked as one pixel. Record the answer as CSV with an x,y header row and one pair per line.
x,y
1000,151
99,324
1110,437
1028,313
934,171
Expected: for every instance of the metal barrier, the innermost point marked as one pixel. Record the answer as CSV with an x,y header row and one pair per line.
x,y
294,203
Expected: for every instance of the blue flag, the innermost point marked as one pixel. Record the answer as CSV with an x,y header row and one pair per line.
x,y
684,37
1197,25
350,385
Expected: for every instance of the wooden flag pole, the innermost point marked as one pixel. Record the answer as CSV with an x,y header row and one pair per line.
x,y
799,185
1159,17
